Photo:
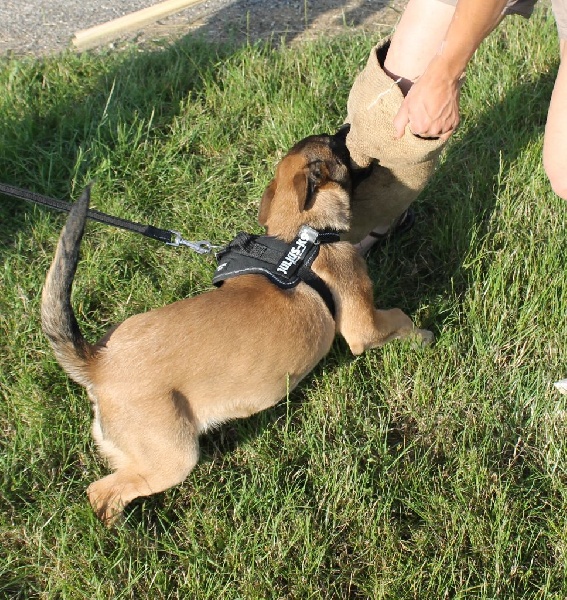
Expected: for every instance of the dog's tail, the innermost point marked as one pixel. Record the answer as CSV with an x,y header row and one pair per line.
x,y
57,316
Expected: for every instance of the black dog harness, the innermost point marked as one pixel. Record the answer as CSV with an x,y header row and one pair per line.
x,y
282,263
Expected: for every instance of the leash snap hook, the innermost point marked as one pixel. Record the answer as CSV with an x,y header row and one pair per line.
x,y
200,247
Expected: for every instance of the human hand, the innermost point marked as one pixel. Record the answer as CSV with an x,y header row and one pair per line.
x,y
431,107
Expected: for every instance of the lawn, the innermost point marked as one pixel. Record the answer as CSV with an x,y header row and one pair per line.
x,y
403,473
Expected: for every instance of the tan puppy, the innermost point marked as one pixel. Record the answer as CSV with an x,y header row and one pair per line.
x,y
161,378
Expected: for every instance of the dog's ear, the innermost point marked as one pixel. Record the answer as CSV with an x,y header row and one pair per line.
x,y
300,185
266,203
342,133
315,176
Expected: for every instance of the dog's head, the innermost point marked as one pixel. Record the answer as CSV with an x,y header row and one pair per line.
x,y
312,187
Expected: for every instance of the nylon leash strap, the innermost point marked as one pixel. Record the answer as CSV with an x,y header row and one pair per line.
x,y
168,236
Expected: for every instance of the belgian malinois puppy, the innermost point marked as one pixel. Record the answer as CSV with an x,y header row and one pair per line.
x,y
161,378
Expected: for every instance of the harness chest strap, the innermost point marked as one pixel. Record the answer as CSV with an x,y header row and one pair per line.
x,y
285,265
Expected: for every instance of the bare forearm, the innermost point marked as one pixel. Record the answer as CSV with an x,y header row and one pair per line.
x,y
472,22
431,106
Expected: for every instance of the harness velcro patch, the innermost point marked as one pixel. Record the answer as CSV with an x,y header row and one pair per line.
x,y
301,247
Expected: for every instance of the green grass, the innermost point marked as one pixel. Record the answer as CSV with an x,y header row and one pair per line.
x,y
403,473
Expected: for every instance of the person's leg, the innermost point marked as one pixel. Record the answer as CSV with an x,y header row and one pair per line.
x,y
400,168
418,37
555,143
555,138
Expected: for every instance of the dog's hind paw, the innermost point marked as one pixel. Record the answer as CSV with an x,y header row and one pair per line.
x,y
426,337
107,507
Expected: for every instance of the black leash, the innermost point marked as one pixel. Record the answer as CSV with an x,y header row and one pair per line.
x,y
168,236
288,264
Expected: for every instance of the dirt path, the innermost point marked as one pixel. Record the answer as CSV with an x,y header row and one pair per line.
x,y
40,27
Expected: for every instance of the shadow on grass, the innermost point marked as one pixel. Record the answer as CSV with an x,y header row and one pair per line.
x,y
71,111
457,204
42,146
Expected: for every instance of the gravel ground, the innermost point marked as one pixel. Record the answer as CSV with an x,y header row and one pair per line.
x,y
39,27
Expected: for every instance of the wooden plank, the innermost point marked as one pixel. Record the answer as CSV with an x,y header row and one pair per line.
x,y
87,38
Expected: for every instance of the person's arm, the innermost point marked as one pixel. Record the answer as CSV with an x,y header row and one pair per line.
x,y
431,107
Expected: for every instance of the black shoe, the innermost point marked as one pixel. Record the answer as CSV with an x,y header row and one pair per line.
x,y
404,223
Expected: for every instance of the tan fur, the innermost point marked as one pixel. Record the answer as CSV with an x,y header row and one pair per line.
x,y
161,378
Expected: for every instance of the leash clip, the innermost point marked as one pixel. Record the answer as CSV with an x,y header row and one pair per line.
x,y
200,247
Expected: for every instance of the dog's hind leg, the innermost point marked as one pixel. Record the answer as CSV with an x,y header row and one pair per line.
x,y
108,496
147,459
